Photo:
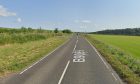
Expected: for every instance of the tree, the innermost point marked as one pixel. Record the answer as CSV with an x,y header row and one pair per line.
x,y
30,29
66,31
56,30
23,29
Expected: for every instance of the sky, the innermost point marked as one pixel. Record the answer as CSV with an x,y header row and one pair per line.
x,y
77,15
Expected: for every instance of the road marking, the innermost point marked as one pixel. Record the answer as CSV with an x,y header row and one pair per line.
x,y
74,48
43,57
114,76
120,81
77,37
99,56
60,80
77,41
75,45
103,61
79,56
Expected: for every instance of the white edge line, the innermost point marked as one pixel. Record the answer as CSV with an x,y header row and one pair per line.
x,y
43,57
114,76
104,62
99,56
102,59
61,78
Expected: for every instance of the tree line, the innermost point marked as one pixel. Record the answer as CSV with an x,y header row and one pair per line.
x,y
63,31
30,30
127,31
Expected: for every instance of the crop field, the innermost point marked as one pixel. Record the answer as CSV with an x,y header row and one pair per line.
x,y
129,44
122,52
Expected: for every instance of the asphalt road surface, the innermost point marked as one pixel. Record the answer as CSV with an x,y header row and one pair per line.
x,y
74,62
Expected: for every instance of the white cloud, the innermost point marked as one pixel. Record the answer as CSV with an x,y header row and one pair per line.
x,y
5,12
82,21
86,21
19,20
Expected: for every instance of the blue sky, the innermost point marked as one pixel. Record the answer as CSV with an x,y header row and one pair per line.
x,y
77,15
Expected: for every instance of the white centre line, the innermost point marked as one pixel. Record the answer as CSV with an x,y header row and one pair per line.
x,y
60,80
77,37
74,48
75,45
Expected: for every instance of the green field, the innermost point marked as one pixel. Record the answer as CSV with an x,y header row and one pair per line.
x,y
129,44
122,52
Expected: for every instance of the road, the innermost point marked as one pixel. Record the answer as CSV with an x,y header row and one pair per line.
x,y
75,62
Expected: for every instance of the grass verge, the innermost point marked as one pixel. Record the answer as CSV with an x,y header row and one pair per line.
x,y
14,57
117,60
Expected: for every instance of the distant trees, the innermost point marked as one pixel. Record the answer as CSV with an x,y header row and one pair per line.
x,y
31,30
63,31
66,31
20,30
127,31
56,30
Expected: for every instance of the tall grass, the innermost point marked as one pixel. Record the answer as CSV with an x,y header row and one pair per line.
x,y
14,57
20,38
21,47
8,36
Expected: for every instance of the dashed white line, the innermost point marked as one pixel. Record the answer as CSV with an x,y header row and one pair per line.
x,y
75,45
77,41
74,49
42,58
77,37
61,78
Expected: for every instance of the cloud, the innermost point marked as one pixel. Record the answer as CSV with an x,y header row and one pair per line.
x,y
19,20
4,12
86,21
82,21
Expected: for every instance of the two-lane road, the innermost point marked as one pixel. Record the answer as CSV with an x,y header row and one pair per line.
x,y
75,62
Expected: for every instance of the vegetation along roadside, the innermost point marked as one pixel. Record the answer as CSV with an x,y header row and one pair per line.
x,y
21,47
125,64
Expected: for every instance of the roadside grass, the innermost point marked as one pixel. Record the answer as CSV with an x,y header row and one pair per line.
x,y
127,66
16,56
